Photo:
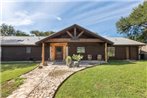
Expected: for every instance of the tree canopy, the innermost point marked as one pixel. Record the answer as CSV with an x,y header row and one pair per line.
x,y
135,25
20,33
8,30
41,33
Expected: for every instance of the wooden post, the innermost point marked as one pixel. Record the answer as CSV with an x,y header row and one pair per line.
x,y
127,53
43,53
50,53
106,53
66,50
139,50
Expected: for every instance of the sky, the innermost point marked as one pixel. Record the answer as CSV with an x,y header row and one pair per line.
x,y
99,16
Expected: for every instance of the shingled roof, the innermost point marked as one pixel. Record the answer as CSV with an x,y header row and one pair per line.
x,y
31,40
124,41
19,40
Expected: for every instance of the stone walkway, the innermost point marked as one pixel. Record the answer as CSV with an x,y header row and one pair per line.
x,y
42,83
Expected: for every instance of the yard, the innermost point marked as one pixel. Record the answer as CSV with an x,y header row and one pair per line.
x,y
11,71
118,79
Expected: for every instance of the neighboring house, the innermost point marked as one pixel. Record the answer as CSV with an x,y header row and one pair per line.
x,y
72,40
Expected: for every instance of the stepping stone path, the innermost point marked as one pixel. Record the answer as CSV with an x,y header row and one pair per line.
x,y
42,83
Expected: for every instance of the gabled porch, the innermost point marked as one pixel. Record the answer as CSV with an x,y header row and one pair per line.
x,y
75,40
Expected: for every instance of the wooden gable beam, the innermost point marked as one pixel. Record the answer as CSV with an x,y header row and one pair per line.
x,y
75,33
70,34
80,34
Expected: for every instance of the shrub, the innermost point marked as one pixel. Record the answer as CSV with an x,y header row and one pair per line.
x,y
68,61
77,57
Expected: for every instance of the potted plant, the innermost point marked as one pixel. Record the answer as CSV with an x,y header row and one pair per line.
x,y
68,61
77,59
89,57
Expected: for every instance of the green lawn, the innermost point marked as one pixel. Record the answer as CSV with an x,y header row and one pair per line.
x,y
118,79
12,71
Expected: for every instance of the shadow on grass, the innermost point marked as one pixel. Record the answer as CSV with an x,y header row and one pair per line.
x,y
119,62
9,86
14,65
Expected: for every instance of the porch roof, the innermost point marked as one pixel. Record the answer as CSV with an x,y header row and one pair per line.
x,y
75,26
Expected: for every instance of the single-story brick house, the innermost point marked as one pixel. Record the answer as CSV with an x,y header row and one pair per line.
x,y
72,40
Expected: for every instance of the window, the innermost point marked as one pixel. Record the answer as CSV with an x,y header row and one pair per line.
x,y
111,51
28,49
80,49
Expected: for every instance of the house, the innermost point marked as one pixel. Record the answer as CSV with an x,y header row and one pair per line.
x,y
71,40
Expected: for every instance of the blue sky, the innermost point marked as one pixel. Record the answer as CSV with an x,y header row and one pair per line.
x,y
51,15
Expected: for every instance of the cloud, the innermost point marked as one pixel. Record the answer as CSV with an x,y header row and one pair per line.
x,y
59,18
101,17
23,18
18,22
66,0
19,19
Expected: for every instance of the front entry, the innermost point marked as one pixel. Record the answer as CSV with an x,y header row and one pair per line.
x,y
58,53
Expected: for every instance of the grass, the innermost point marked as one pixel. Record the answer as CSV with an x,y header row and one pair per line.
x,y
118,79
11,71
8,87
